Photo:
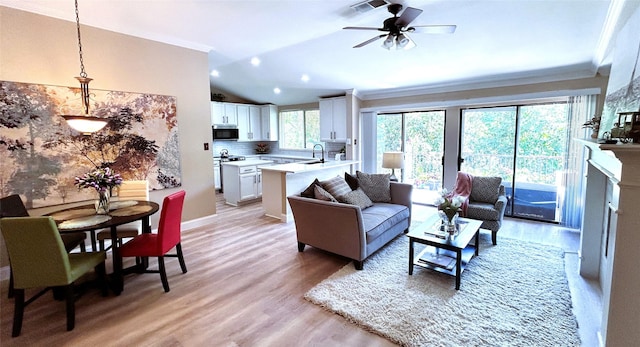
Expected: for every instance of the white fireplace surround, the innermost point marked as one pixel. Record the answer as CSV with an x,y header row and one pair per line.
x,y
610,238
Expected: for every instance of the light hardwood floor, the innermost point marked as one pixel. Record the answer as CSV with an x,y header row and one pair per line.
x,y
244,287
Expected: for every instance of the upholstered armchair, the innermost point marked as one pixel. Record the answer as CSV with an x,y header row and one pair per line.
x,y
487,203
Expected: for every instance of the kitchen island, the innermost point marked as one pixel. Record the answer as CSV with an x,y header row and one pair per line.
x,y
280,181
243,180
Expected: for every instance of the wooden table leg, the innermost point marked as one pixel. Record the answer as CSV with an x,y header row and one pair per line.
x,y
117,277
458,268
410,256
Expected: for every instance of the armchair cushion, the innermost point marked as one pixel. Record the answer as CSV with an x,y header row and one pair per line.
x,y
485,189
351,180
309,192
376,186
321,194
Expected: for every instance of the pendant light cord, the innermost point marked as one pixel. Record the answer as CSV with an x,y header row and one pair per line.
x,y
82,72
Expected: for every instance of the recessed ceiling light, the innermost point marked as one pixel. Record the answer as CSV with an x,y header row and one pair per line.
x,y
215,73
255,61
276,90
305,78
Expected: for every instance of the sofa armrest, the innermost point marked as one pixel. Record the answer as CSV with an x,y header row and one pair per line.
x,y
333,227
401,195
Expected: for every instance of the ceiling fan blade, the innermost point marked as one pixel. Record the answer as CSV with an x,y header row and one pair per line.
x,y
434,29
364,28
369,41
408,15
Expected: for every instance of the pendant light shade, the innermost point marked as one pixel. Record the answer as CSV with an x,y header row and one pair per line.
x,y
85,124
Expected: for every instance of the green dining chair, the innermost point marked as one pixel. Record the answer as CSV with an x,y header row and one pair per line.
x,y
39,260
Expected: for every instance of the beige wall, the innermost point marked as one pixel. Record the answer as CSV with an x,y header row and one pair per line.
x,y
38,49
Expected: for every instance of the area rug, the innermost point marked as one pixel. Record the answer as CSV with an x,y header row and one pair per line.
x,y
512,294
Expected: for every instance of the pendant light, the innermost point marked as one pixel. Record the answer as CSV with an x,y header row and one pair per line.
x,y
85,124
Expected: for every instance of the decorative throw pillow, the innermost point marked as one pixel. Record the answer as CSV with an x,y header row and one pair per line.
x,y
336,186
485,189
352,181
322,194
376,186
309,192
356,197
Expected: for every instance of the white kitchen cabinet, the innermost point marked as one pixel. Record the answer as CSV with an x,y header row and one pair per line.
x,y
223,113
242,182
249,123
333,119
269,118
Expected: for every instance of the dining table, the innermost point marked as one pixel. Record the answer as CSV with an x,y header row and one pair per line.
x,y
85,219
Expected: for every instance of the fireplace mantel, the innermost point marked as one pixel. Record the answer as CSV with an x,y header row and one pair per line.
x,y
610,238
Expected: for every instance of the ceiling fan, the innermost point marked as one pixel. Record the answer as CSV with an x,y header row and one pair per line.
x,y
397,27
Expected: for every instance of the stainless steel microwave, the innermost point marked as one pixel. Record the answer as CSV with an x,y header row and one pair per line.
x,y
225,132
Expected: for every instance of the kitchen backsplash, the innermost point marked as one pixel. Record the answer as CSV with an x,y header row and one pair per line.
x,y
249,148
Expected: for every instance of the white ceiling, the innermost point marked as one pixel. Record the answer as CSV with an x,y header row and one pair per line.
x,y
497,42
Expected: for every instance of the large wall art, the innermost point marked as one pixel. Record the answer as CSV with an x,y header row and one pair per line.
x,y
623,90
40,155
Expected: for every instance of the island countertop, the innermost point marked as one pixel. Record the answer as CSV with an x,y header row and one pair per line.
x,y
302,167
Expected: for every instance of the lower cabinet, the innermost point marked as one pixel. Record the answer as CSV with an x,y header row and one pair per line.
x,y
241,183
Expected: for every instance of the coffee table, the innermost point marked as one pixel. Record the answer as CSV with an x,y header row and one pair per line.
x,y
443,254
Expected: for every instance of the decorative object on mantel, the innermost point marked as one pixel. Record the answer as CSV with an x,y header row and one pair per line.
x,y
262,148
594,125
85,124
627,128
102,180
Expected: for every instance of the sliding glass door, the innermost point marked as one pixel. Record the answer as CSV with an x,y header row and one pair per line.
x,y
420,135
527,147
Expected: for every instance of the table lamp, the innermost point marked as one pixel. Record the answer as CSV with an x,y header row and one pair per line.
x,y
393,160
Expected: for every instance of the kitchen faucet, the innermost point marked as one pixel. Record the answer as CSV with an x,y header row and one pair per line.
x,y
313,151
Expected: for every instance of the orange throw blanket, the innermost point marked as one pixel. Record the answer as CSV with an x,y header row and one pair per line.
x,y
463,189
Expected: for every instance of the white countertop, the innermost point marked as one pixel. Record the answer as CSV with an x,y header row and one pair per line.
x,y
247,162
301,167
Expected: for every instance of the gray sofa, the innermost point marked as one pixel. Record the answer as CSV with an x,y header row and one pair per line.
x,y
347,230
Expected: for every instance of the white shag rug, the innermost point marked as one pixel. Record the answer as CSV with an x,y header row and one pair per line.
x,y
512,294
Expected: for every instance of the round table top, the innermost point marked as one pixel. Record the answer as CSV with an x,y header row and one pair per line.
x,y
84,218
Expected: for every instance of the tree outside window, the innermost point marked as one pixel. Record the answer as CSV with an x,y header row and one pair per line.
x,y
299,129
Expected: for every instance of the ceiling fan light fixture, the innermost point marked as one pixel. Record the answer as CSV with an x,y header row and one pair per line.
x,y
388,42
402,41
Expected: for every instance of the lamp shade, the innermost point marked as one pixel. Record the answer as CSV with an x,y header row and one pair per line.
x,y
393,160
85,124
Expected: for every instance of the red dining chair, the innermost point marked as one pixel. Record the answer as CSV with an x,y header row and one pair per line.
x,y
157,245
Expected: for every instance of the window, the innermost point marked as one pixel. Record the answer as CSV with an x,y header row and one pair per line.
x,y
299,129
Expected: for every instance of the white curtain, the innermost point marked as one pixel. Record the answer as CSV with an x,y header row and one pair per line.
x,y
581,109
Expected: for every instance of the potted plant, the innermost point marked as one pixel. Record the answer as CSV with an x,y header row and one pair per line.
x,y
594,125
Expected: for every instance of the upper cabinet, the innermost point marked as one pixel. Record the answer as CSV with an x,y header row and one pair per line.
x,y
269,118
223,113
255,122
249,123
333,119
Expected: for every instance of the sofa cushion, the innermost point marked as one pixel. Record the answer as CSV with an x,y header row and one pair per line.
x,y
485,189
356,197
351,180
380,217
336,186
309,191
376,186
321,194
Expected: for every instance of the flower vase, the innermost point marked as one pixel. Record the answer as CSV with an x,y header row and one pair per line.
x,y
102,204
594,134
452,226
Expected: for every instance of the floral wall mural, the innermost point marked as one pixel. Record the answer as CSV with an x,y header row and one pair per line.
x,y
40,155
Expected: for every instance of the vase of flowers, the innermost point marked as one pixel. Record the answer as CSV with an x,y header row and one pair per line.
x,y
103,181
448,209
